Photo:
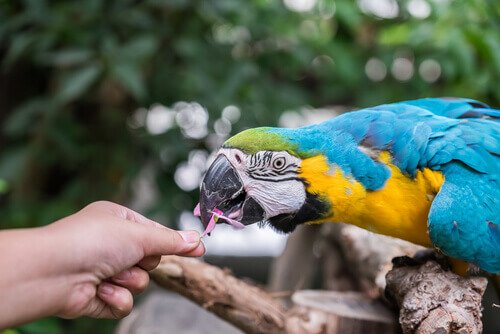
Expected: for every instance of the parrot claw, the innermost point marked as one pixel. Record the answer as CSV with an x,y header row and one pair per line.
x,y
420,258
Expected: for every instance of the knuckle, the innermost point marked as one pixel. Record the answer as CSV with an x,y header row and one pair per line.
x,y
99,204
104,205
150,262
142,281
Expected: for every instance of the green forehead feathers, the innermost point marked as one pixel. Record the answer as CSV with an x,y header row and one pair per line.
x,y
252,141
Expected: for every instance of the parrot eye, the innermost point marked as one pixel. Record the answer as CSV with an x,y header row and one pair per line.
x,y
279,163
238,158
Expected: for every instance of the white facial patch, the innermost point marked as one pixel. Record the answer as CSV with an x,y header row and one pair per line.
x,y
276,197
271,178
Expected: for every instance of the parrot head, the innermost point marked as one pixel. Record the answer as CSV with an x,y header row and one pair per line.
x,y
257,177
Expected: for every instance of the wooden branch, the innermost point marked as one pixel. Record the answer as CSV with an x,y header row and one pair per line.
x,y
432,300
254,311
245,306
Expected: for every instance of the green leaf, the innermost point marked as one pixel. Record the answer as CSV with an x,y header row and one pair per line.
x,y
348,14
67,57
139,49
493,42
18,48
11,162
75,83
130,77
463,53
9,331
21,119
4,187
395,35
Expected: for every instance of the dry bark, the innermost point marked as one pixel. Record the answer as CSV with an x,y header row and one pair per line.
x,y
432,300
239,303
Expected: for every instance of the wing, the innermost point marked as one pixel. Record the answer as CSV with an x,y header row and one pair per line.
x,y
464,217
428,133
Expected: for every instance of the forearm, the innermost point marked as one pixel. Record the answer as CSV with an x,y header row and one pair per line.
x,y
31,285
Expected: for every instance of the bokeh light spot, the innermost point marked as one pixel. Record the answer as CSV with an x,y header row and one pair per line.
x,y
375,69
231,113
429,70
222,127
419,8
192,118
188,174
402,69
327,8
300,5
187,177
159,119
323,61
385,9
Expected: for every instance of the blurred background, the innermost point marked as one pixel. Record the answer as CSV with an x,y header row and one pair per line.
x,y
125,100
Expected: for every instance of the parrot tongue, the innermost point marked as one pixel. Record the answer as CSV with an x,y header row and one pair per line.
x,y
216,215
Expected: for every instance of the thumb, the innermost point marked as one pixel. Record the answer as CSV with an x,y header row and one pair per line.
x,y
165,241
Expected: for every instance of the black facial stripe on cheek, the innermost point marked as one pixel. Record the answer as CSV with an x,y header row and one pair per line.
x,y
275,180
272,174
285,172
265,174
313,209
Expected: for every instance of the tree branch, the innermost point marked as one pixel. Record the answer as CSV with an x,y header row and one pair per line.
x,y
235,301
254,311
432,300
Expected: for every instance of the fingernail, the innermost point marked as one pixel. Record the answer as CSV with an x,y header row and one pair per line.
x,y
106,289
191,237
123,276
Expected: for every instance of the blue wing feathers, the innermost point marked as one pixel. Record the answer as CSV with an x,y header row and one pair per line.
x,y
463,221
432,132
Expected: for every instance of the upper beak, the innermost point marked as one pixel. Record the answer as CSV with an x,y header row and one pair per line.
x,y
219,186
223,189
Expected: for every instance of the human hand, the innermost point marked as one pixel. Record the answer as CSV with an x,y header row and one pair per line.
x,y
104,252
87,264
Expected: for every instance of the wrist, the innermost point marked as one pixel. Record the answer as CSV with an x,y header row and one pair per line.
x,y
33,282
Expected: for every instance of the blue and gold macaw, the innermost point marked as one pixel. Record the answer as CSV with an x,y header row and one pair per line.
x,y
426,171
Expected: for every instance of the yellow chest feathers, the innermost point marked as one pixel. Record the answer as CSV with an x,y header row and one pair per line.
x,y
399,209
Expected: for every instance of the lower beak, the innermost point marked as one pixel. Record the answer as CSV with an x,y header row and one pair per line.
x,y
223,189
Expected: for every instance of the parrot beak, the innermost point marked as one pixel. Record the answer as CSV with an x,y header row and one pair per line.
x,y
223,189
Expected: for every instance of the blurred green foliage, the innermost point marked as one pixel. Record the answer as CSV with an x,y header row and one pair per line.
x,y
73,74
